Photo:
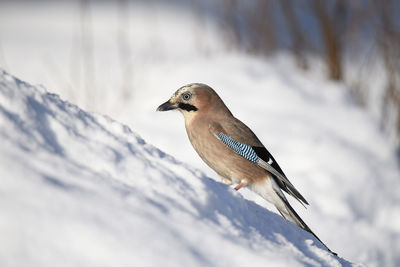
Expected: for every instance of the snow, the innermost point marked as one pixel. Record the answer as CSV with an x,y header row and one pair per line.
x,y
331,150
79,188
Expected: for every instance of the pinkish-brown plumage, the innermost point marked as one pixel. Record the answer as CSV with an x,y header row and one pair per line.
x,y
206,119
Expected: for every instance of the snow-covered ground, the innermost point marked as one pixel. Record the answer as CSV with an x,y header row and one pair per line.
x,y
79,189
332,151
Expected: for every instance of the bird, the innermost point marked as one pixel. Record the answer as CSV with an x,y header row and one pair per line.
x,y
232,150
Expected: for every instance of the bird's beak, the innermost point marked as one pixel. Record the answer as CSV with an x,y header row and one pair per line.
x,y
167,106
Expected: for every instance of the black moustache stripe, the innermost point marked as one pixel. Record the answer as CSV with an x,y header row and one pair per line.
x,y
187,107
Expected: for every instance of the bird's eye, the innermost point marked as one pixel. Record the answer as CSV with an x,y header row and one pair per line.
x,y
186,96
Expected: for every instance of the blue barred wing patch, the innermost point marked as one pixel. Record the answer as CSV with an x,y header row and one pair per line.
x,y
243,150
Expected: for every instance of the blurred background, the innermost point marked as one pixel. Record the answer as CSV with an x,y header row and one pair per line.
x,y
101,54
317,81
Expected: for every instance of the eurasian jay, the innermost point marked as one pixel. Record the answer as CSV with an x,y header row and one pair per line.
x,y
232,150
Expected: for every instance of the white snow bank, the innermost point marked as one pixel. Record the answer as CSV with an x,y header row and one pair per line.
x,y
332,150
79,189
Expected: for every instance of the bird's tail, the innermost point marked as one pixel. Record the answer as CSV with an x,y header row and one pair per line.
x,y
290,214
270,191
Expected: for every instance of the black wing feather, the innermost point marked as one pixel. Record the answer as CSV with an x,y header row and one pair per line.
x,y
264,154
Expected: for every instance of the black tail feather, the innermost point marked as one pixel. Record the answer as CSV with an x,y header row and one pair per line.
x,y
292,216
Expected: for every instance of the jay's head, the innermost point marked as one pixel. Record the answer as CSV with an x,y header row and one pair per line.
x,y
194,98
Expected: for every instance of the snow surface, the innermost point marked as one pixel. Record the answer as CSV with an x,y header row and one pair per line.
x,y
331,150
80,189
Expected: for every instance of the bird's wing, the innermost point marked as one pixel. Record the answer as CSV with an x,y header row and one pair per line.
x,y
243,141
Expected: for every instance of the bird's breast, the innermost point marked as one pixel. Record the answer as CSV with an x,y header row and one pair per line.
x,y
220,157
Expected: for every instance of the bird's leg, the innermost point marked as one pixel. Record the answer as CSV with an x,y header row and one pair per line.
x,y
242,183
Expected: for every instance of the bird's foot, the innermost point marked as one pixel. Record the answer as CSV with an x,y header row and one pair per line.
x,y
242,183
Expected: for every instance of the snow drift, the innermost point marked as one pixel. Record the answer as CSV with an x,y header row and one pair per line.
x,y
79,189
